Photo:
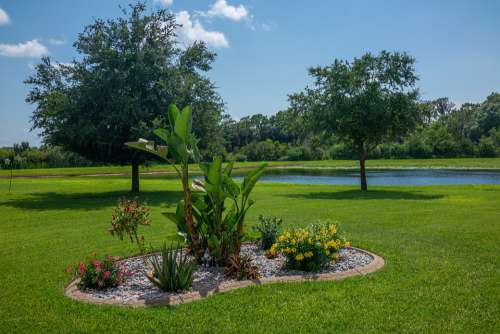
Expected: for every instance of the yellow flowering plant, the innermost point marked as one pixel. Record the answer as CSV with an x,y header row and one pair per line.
x,y
312,247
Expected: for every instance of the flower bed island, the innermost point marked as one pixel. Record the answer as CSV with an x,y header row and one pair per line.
x,y
138,291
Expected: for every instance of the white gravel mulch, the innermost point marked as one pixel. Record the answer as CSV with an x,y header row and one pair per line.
x,y
137,287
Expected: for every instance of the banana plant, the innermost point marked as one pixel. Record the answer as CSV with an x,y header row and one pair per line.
x,y
180,148
222,228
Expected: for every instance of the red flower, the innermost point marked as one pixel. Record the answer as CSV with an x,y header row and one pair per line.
x,y
107,275
69,269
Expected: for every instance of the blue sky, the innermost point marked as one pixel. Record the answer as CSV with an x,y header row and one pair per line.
x,y
265,46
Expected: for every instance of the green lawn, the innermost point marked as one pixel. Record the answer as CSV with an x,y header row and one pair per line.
x,y
441,246
475,163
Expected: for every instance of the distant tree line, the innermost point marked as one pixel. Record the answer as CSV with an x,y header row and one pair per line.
x,y
445,131
22,155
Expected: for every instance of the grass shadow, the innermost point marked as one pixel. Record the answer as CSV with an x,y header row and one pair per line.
x,y
369,195
88,201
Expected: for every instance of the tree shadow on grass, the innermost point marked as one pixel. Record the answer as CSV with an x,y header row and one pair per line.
x,y
369,195
88,201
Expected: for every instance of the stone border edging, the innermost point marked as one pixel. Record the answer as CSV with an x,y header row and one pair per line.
x,y
73,292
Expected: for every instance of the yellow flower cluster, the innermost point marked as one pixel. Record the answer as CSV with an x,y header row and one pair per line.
x,y
310,247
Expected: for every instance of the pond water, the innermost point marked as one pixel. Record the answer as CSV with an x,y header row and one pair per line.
x,y
409,177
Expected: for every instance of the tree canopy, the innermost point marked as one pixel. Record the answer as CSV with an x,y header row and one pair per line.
x,y
127,72
363,102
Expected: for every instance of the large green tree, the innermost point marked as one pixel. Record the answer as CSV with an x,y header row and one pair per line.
x,y
363,102
127,72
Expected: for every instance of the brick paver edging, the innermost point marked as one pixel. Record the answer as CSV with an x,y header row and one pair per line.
x,y
73,292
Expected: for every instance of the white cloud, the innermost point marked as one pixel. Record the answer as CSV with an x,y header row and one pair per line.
x,y
56,41
4,17
222,9
165,3
191,31
29,49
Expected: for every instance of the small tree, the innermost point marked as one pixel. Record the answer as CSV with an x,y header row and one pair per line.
x,y
363,102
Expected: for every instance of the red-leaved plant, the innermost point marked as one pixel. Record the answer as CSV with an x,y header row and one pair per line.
x,y
127,216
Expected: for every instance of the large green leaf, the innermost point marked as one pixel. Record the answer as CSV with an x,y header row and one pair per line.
x,y
173,114
231,188
178,148
183,124
228,169
163,134
251,179
149,146
214,176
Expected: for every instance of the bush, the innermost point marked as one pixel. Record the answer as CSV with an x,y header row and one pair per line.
x,y
310,248
174,273
417,148
298,153
237,157
241,268
125,221
486,147
342,151
269,229
99,274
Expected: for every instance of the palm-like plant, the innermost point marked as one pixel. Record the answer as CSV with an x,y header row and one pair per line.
x,y
222,229
180,149
207,225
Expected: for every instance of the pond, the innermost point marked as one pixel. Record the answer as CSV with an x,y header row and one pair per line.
x,y
407,177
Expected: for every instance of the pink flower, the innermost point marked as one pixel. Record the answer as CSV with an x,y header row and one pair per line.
x,y
69,269
99,283
107,275
97,265
81,268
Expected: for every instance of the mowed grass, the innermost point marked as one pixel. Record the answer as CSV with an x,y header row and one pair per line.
x,y
441,246
463,163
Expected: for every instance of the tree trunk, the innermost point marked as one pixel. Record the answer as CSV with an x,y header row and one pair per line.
x,y
188,213
362,170
135,176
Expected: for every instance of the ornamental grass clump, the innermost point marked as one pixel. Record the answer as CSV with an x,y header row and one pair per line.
x,y
310,248
99,274
175,270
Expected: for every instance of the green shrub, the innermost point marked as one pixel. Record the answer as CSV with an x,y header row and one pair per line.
x,y
310,248
174,272
342,151
486,147
298,153
268,228
99,274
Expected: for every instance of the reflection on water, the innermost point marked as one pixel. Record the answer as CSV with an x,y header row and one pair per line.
x,y
383,177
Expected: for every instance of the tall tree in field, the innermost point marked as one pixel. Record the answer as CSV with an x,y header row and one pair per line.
x,y
363,102
128,71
